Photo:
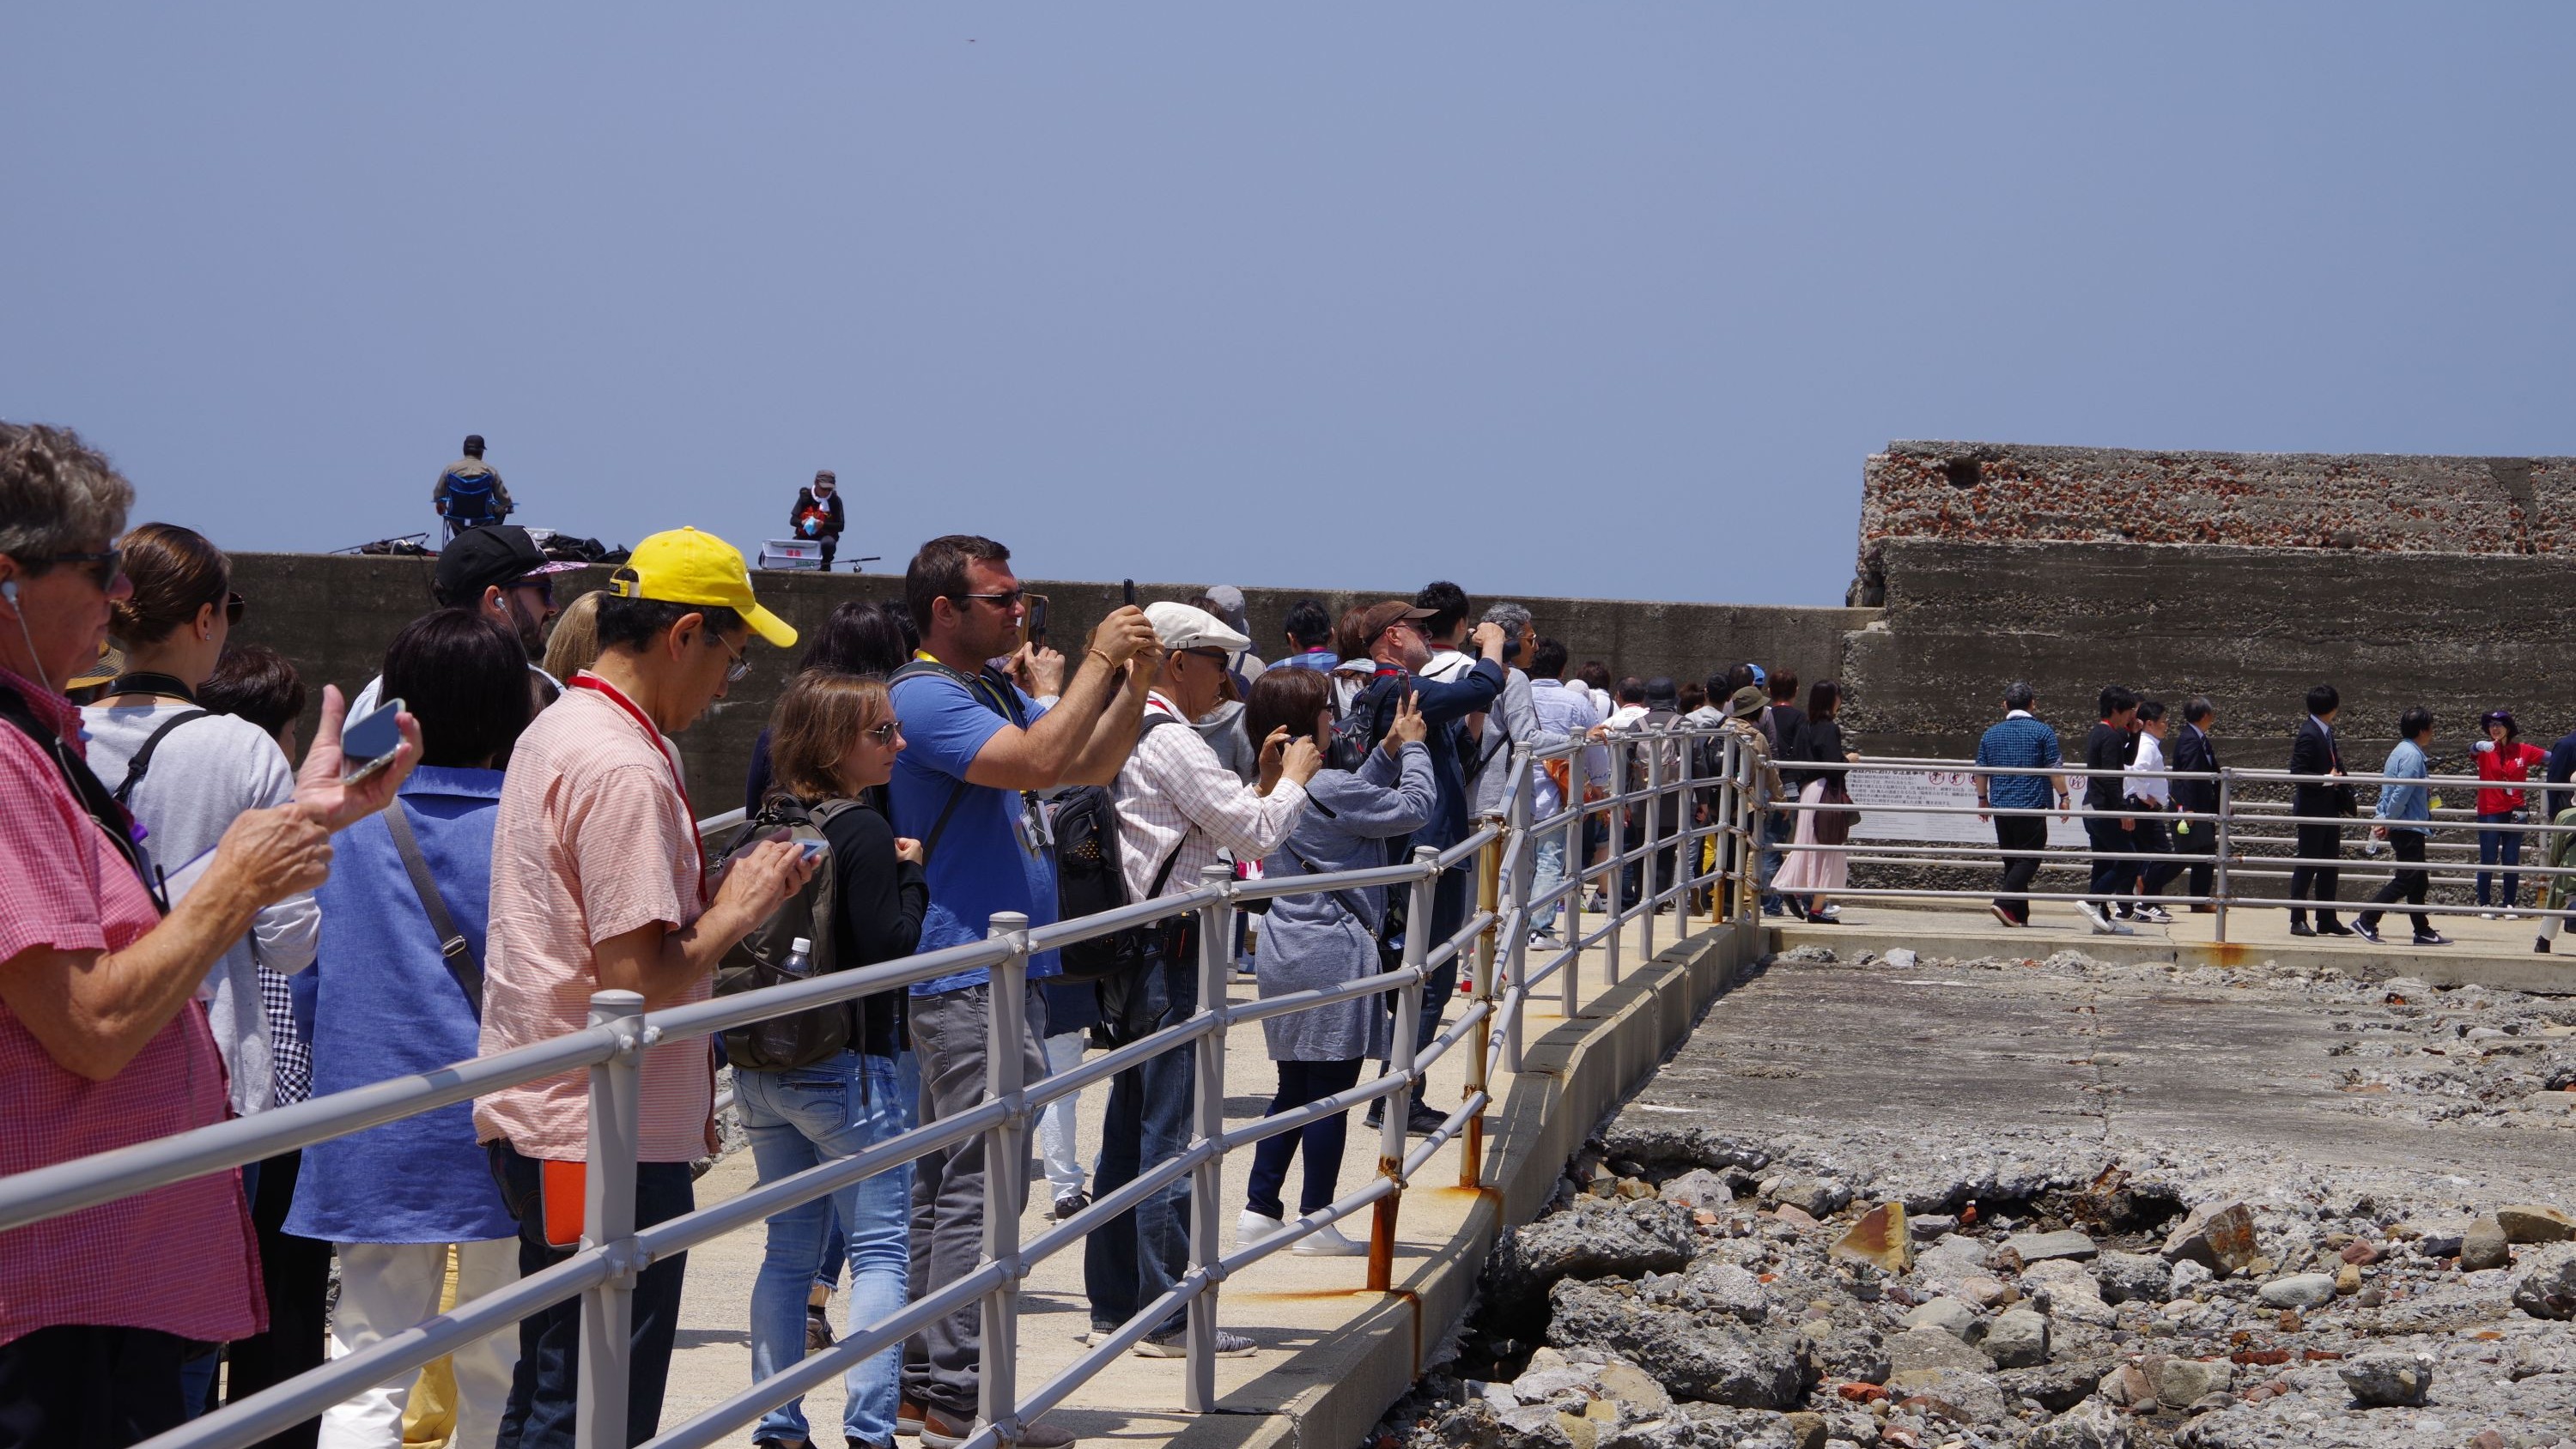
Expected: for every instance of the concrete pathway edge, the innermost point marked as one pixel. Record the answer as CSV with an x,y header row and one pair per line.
x,y
1569,1080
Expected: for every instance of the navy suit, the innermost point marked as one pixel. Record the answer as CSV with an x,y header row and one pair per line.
x,y
2315,753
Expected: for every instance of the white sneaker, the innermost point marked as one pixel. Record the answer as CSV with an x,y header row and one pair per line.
x,y
1228,1345
1327,1242
1253,1228
2156,916
2486,915
2093,913
2104,926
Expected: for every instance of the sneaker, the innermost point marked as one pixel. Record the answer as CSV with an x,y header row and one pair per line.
x,y
1228,1345
2155,916
1376,1117
1255,1227
2003,915
2333,928
2092,913
1422,1121
2539,945
907,1420
942,1432
1828,916
2486,915
2366,931
818,1328
1069,1204
2513,915
2436,938
1327,1242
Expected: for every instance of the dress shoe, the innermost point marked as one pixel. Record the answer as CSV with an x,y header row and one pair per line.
x,y
2302,928
2333,928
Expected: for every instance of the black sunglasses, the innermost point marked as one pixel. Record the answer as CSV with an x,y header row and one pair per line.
x,y
234,604
104,566
1010,600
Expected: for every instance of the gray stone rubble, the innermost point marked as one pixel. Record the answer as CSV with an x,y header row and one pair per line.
x,y
1696,1290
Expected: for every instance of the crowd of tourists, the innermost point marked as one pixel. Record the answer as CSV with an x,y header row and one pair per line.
x,y
2149,791
195,926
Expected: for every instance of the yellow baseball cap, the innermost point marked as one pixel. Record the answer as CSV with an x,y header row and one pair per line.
x,y
684,566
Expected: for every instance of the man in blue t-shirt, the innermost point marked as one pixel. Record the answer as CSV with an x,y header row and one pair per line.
x,y
977,751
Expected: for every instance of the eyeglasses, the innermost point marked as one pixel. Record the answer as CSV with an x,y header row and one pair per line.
x,y
544,587
883,734
740,664
1007,601
104,566
1213,656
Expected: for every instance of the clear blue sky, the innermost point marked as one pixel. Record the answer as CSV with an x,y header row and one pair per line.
x,y
1552,299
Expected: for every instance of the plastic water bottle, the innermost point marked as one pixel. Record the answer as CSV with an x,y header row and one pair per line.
x,y
800,958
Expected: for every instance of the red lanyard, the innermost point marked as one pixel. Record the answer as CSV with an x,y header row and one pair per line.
x,y
610,692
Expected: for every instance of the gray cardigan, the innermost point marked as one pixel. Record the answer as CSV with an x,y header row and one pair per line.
x,y
1313,940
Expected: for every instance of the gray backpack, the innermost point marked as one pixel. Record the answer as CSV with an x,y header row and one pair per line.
x,y
759,960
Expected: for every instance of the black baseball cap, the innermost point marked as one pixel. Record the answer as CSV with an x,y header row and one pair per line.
x,y
478,558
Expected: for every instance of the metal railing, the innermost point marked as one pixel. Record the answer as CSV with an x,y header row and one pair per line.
x,y
1665,811
2251,839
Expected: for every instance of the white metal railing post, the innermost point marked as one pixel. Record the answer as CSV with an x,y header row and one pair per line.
x,y
1650,895
2224,847
1616,888
1207,1180
1006,1161
1569,989
1399,1104
1524,877
608,1220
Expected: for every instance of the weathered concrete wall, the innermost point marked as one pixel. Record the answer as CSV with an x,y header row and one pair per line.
x,y
2372,503
2253,629
334,614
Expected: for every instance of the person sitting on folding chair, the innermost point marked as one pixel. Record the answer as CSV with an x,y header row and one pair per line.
x,y
469,492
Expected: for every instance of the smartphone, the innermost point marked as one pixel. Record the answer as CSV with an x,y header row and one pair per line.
x,y
1512,648
1034,624
367,745
813,848
1130,586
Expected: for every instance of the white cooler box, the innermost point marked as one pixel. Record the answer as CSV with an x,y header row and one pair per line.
x,y
791,553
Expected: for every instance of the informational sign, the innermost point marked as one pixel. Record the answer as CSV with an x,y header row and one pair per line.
x,y
1893,806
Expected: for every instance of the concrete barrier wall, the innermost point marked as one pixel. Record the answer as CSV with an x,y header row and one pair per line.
x,y
334,614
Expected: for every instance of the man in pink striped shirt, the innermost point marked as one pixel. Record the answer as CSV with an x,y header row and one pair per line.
x,y
598,883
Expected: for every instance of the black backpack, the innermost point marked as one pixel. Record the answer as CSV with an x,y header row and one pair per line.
x,y
802,1038
1090,878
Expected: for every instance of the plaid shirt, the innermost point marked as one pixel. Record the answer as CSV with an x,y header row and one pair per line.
x,y
1174,795
63,886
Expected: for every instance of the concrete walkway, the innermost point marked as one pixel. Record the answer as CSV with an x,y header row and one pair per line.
x,y
1329,1349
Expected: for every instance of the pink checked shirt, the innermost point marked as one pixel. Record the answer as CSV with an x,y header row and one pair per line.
x,y
593,840
179,1259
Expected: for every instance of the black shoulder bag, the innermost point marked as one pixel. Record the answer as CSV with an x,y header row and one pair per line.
x,y
453,948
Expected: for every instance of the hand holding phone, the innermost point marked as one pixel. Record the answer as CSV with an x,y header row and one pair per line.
x,y
367,745
1129,585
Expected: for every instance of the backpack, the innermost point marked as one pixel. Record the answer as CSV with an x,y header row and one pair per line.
x,y
1090,878
469,496
802,1038
1363,726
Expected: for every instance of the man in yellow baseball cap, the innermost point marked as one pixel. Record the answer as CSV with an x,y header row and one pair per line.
x,y
684,566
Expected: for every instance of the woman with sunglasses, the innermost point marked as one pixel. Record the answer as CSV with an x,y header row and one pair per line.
x,y
187,773
833,742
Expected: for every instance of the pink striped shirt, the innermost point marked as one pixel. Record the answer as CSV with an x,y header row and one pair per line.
x,y
593,840
64,886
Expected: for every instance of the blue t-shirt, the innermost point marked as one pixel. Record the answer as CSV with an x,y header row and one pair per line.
x,y
982,863
383,1004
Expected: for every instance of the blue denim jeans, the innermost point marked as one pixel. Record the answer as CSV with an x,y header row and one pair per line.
x,y
1546,874
1137,1256
2495,846
796,1119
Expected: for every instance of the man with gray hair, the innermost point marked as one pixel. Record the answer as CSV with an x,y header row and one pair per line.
x,y
1513,722
2018,741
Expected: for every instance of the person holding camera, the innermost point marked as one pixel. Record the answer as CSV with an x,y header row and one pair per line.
x,y
1178,805
1327,938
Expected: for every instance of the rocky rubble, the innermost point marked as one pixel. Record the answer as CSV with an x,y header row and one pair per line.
x,y
1691,1290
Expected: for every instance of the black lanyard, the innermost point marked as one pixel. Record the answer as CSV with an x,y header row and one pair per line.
x,y
145,681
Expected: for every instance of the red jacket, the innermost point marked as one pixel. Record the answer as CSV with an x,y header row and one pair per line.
x,y
2512,760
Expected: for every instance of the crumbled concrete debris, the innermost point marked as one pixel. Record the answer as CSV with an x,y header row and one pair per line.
x,y
2062,1293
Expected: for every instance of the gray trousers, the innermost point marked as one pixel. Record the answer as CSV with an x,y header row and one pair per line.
x,y
942,1364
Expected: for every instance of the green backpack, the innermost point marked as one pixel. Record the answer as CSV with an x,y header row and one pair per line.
x,y
759,960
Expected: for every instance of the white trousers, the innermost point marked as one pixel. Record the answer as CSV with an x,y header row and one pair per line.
x,y
388,1287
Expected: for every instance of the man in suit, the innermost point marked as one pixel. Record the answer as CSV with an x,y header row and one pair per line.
x,y
2194,751
2316,754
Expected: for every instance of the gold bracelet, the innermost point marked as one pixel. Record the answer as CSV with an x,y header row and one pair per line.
x,y
1104,656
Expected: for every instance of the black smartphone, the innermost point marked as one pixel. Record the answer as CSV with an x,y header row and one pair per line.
x,y
1512,648
368,745
1036,622
1130,586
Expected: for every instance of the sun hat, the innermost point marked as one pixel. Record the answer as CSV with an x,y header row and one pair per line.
x,y
1178,626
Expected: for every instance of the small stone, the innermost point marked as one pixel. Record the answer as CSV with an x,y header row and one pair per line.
x,y
1983,1291
2546,1286
2091,1425
2017,1338
2290,1321
2303,1290
1794,1216
2483,1246
1806,1429
1927,1226
2371,1296
1946,1314
1632,1387
2134,1277
2182,1381
2072,1293
1635,1189
1579,1430
2529,1223
2038,1247
2128,1386
1931,1348
2220,1236
2189,1276
1879,1239
2347,1280
2360,1255
1699,1188
1817,1197
2388,1378
1962,1396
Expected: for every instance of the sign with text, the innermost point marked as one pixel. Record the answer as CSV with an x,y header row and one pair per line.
x,y
1893,807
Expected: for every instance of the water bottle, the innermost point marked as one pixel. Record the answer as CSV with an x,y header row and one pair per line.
x,y
800,958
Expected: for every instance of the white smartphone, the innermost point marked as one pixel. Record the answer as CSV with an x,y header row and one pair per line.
x,y
367,745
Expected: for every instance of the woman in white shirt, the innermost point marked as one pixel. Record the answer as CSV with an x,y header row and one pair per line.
x,y
2151,796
